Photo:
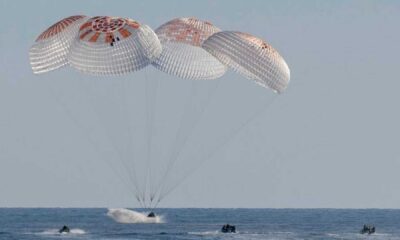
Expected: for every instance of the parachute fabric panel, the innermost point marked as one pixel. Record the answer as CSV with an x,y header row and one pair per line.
x,y
113,46
182,55
51,48
251,57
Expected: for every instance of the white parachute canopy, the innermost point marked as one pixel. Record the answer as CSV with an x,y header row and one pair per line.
x,y
99,46
51,48
250,56
182,55
113,45
153,129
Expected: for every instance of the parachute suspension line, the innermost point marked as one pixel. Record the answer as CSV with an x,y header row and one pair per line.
x,y
189,106
129,147
112,142
175,146
222,144
155,205
76,122
186,128
124,152
151,99
88,136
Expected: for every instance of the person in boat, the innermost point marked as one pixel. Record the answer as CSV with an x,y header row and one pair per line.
x,y
151,215
367,229
228,228
64,229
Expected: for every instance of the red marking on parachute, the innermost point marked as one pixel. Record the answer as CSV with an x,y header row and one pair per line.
x,y
264,45
181,37
107,24
85,25
83,35
124,33
109,37
133,24
94,37
58,27
187,30
196,39
64,25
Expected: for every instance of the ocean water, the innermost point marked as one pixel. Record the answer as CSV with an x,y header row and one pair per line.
x,y
20,224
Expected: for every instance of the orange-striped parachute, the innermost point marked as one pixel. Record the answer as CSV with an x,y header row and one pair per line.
x,y
182,54
250,56
52,47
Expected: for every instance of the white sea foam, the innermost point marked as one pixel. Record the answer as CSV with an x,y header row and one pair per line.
x,y
74,231
205,233
122,215
352,236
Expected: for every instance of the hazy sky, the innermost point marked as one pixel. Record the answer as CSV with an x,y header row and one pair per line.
x,y
331,140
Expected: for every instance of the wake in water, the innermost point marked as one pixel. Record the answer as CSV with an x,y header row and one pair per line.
x,y
122,215
352,236
207,233
74,231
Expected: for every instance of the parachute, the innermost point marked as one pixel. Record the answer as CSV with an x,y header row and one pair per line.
x,y
160,130
250,56
182,54
111,45
51,48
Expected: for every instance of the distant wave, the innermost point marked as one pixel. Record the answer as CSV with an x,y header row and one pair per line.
x,y
73,231
279,235
122,215
352,236
207,233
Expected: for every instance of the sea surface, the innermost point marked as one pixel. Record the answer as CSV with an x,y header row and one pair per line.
x,y
42,223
